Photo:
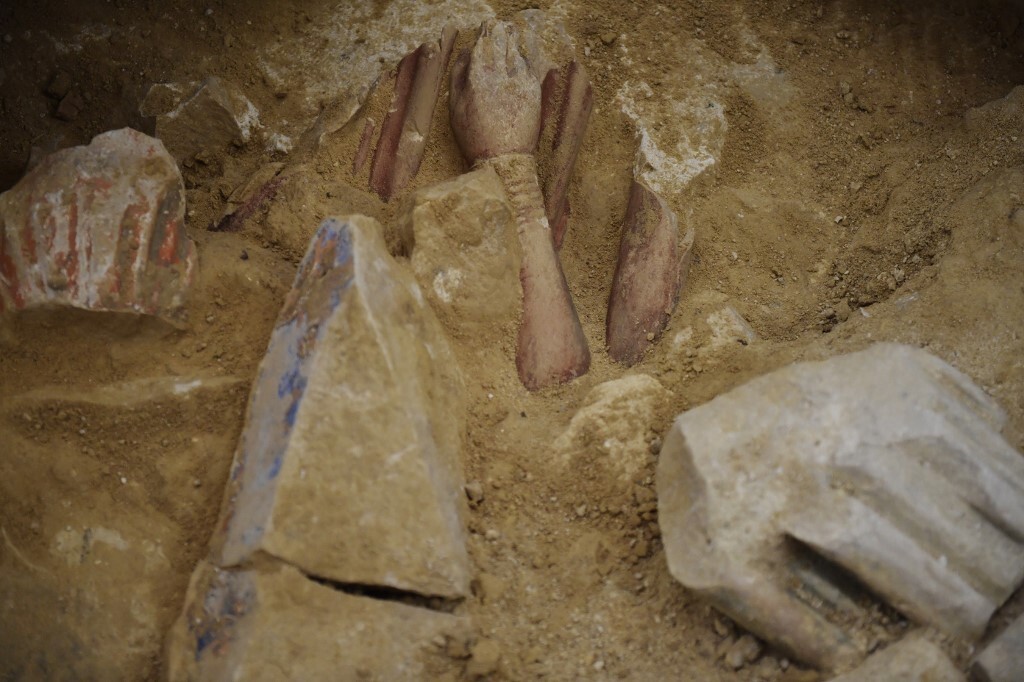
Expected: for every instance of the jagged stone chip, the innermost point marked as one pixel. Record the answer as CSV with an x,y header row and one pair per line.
x,y
348,465
98,227
888,463
273,623
197,117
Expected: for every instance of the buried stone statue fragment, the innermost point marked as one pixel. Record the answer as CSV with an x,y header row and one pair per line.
x,y
887,463
496,117
99,227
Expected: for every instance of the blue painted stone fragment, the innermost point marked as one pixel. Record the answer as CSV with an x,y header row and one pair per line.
x,y
348,466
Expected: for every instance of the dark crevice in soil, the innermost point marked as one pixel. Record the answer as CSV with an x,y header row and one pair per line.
x,y
392,594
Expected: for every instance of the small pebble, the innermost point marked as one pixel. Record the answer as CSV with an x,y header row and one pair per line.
x,y
475,492
745,650
245,255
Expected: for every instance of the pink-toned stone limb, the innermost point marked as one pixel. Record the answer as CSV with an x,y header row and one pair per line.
x,y
363,151
496,118
654,259
551,348
568,99
99,227
403,134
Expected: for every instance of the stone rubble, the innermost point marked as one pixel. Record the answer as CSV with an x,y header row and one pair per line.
x,y
887,462
98,227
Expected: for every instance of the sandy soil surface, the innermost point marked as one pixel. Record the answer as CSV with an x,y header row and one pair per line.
x,y
854,171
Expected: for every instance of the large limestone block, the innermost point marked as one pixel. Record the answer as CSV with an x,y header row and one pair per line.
x,y
887,462
214,115
274,624
99,227
348,466
462,243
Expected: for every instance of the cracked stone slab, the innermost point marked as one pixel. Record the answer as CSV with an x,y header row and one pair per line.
x,y
99,227
275,624
348,465
888,463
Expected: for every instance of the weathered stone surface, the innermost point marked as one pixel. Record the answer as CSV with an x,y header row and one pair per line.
x,y
887,462
654,260
913,659
276,624
99,227
1003,659
348,466
462,241
615,419
210,118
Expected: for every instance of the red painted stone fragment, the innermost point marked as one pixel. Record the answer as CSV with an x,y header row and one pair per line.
x,y
567,100
403,134
99,227
654,259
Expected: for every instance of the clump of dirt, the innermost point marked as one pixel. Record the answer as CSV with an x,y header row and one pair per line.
x,y
856,194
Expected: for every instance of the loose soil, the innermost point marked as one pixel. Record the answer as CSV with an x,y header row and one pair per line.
x,y
858,195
